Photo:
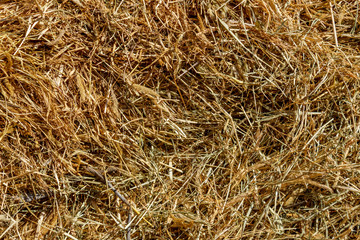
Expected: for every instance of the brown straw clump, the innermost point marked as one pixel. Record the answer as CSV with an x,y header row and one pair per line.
x,y
179,119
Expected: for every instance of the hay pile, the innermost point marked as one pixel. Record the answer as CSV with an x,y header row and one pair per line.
x,y
213,119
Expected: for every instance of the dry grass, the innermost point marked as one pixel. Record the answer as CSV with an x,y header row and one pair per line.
x,y
214,119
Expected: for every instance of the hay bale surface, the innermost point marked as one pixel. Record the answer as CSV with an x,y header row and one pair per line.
x,y
213,119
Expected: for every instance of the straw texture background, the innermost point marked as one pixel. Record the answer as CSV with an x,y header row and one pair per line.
x,y
214,119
